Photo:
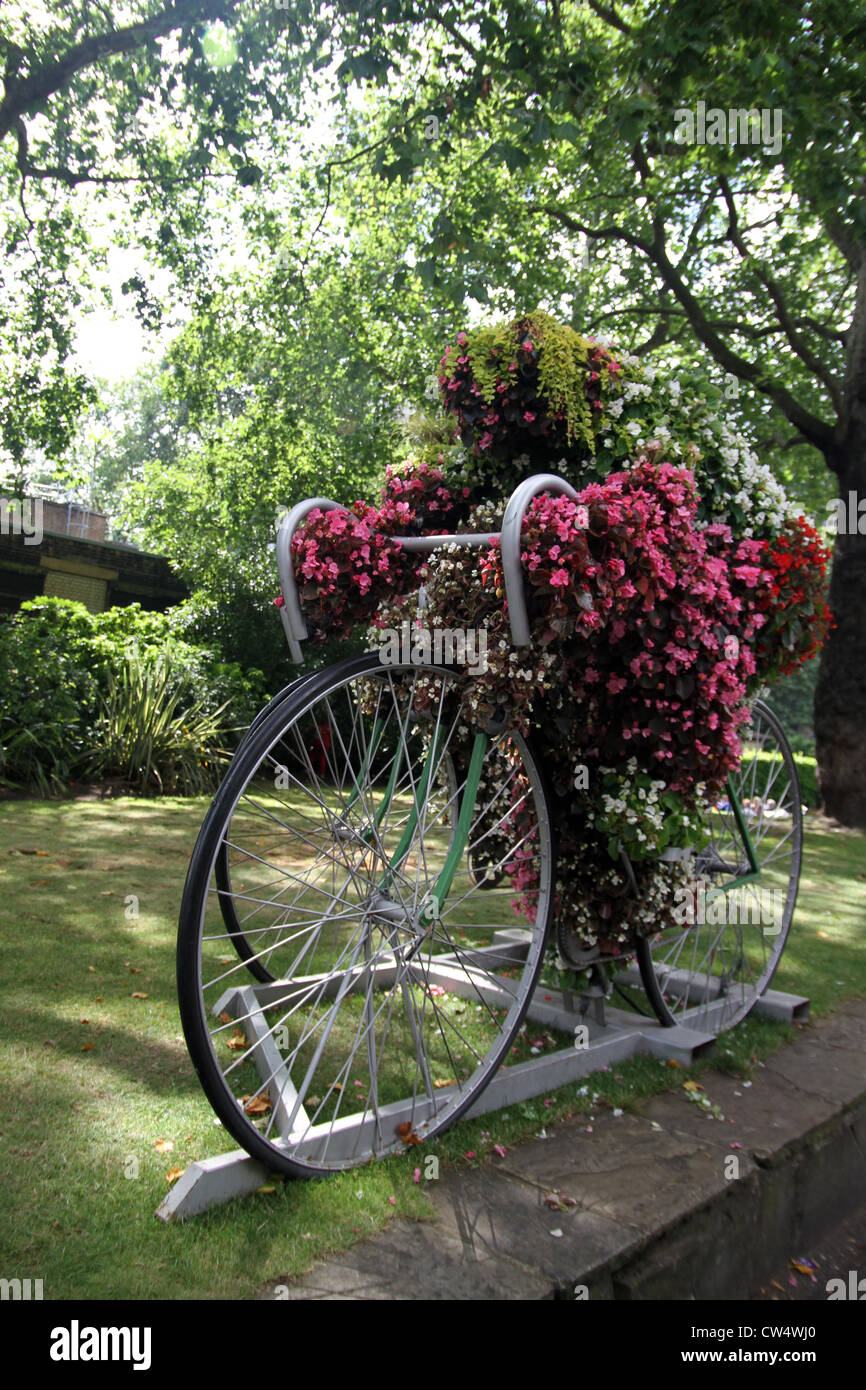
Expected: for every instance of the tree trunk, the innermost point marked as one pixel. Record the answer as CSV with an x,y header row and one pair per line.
x,y
840,694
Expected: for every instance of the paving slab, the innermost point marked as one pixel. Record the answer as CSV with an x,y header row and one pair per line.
x,y
661,1211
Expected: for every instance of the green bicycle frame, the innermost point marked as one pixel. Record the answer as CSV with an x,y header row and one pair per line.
x,y
442,887
754,867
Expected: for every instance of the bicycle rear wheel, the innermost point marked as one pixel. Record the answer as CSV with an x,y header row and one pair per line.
x,y
385,1012
709,975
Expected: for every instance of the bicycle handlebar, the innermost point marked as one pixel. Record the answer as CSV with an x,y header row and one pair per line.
x,y
509,539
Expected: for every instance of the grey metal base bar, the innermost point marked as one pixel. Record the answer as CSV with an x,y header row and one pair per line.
x,y
210,1181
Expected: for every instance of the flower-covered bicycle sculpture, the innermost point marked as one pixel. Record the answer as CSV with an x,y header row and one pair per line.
x,y
407,844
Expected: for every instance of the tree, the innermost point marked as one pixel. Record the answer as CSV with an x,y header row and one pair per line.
x,y
125,123
525,133
558,126
292,382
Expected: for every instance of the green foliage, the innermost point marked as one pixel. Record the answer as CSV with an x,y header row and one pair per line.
x,y
562,366
793,700
59,664
144,735
48,692
807,772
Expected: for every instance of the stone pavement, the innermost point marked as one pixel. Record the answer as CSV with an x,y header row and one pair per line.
x,y
660,1209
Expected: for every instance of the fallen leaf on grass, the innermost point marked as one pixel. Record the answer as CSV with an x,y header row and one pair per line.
x,y
84,1020
268,1187
803,1267
260,1106
407,1133
163,1146
672,1062
439,1083
137,994
225,1018
89,1047
237,1042
692,1086
174,1173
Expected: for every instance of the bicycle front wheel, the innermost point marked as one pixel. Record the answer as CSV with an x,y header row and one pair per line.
x,y
710,973
394,985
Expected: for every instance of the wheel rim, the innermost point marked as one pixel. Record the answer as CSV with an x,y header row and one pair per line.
x,y
709,976
380,1019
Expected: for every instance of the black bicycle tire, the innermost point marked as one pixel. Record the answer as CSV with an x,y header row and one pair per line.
x,y
201,864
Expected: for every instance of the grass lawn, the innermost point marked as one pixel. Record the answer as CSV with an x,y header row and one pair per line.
x,y
100,1102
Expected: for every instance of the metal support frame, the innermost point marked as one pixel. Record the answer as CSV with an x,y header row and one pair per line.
x,y
611,1036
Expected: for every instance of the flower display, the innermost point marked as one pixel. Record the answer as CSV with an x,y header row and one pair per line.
x,y
678,582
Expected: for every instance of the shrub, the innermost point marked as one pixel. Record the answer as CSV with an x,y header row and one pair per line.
x,y
49,686
59,663
143,735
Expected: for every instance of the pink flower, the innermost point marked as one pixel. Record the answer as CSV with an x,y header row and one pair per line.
x,y
560,579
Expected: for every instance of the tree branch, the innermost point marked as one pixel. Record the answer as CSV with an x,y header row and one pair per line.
x,y
812,427
610,16
22,95
800,347
72,178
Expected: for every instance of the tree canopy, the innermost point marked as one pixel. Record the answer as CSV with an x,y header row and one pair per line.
x,y
688,181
